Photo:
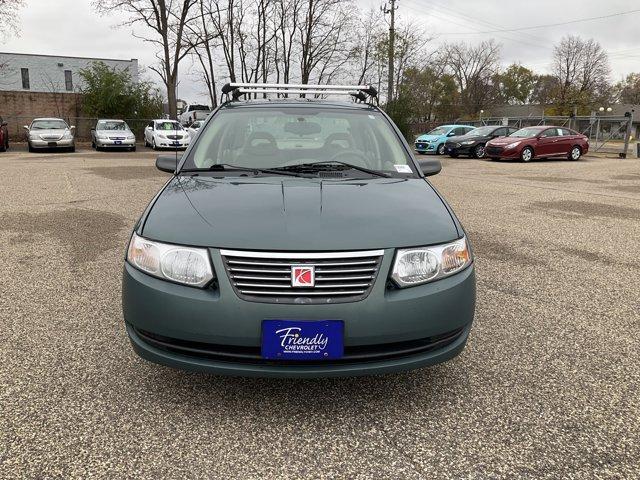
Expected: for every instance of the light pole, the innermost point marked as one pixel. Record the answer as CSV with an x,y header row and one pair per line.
x,y
600,112
481,112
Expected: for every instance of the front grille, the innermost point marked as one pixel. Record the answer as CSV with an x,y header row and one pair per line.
x,y
252,355
174,137
116,138
492,150
51,137
266,276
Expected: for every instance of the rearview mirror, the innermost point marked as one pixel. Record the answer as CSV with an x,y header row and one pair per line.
x,y
430,167
167,163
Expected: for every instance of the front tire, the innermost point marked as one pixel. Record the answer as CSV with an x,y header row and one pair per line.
x,y
441,149
133,149
575,153
527,154
30,148
478,152
153,144
454,155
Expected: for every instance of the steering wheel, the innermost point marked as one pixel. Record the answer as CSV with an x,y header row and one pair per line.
x,y
350,152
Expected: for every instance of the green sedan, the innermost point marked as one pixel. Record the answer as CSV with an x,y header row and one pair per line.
x,y
298,238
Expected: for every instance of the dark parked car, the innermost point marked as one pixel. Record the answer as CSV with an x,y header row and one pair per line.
x,y
4,135
298,237
473,143
539,142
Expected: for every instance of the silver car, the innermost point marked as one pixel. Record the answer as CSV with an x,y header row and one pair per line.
x,y
113,134
50,133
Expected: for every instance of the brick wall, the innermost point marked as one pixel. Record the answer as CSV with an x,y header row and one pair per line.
x,y
19,108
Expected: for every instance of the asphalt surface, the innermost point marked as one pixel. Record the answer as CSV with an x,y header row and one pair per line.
x,y
548,386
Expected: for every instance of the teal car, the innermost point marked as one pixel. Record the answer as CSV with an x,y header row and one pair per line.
x,y
298,238
434,141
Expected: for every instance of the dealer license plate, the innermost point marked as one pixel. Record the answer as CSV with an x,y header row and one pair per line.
x,y
294,340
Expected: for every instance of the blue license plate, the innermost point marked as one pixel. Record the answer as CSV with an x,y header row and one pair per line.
x,y
117,142
302,340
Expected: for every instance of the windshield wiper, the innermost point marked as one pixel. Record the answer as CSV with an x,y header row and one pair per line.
x,y
331,165
226,167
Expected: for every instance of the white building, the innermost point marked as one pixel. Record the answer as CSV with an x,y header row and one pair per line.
x,y
20,72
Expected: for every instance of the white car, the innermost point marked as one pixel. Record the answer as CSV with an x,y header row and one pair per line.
x,y
194,128
166,134
112,134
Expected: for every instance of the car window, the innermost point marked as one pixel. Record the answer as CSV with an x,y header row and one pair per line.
x,y
500,132
526,132
277,137
48,125
168,126
468,129
550,132
438,131
460,130
566,132
111,125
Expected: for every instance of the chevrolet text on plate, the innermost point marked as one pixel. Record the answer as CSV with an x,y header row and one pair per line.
x,y
298,237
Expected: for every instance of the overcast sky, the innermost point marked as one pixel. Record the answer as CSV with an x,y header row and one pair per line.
x,y
70,27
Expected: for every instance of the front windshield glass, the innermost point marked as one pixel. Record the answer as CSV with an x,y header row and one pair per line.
x,y
481,131
111,125
526,132
48,125
287,136
438,131
168,126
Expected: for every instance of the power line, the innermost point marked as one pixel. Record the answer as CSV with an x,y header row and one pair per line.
x,y
601,17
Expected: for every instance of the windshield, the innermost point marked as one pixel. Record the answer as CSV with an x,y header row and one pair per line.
x,y
438,131
168,126
481,131
48,125
289,136
526,132
111,125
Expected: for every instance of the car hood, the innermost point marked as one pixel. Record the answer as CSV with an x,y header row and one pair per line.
x,y
293,214
501,141
428,138
466,138
50,132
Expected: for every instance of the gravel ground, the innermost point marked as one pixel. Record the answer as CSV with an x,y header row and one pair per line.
x,y
548,386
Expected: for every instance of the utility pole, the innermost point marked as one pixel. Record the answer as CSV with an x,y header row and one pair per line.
x,y
392,40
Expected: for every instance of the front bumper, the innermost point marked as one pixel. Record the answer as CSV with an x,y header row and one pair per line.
x,y
459,150
501,152
168,143
46,144
213,330
425,147
108,143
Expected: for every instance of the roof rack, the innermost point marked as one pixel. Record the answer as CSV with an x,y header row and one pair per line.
x,y
359,92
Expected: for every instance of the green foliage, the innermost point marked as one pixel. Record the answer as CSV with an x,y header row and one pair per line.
x,y
516,84
401,113
429,94
109,92
629,89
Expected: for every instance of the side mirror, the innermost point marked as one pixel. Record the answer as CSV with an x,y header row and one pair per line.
x,y
430,167
26,127
167,163
451,134
93,129
3,124
72,127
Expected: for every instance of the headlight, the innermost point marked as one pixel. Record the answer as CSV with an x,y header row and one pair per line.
x,y
414,266
161,135
101,137
130,137
186,265
512,145
67,136
469,142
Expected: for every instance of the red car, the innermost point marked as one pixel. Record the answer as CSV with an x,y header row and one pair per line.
x,y
4,136
539,142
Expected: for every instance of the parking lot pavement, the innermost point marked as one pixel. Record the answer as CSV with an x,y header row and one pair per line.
x,y
548,386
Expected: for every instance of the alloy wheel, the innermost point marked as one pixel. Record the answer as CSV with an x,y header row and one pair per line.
x,y
479,151
441,149
526,155
575,153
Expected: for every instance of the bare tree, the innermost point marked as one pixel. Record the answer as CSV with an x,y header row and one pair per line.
x,y
9,15
473,68
582,70
167,19
370,33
